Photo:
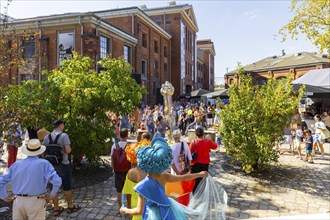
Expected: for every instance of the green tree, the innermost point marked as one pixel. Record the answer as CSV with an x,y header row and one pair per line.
x,y
255,118
312,18
81,96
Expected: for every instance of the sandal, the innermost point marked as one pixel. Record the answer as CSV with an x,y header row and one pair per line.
x,y
58,211
73,209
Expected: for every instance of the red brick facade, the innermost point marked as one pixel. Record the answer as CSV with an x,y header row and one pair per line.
x,y
293,65
160,46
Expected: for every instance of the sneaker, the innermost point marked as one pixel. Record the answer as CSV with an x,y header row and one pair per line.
x,y
322,156
310,161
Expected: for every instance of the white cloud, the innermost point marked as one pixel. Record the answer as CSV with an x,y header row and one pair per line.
x,y
252,14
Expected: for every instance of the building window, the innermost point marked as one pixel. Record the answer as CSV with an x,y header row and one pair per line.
x,y
231,81
165,51
262,81
26,77
156,65
144,40
127,54
104,47
143,67
28,48
156,46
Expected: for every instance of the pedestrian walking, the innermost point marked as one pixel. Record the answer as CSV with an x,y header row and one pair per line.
x,y
29,178
63,167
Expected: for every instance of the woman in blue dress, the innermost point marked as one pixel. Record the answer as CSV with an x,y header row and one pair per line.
x,y
153,202
208,201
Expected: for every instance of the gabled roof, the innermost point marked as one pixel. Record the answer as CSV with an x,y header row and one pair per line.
x,y
206,44
300,59
186,10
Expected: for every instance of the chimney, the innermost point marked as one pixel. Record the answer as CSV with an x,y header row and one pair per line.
x,y
283,53
143,7
171,3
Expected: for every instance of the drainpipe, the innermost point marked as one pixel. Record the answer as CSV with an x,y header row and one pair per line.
x,y
170,61
81,33
39,58
133,24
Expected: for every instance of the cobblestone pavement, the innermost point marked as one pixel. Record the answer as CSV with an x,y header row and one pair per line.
x,y
300,188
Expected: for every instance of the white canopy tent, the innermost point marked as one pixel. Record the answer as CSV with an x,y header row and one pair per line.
x,y
319,77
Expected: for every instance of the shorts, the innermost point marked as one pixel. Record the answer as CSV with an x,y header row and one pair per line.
x,y
65,172
317,139
308,151
120,180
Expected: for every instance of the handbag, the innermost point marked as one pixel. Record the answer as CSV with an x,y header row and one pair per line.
x,y
325,134
184,162
194,154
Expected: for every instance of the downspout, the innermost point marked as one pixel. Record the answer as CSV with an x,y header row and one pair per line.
x,y
133,24
171,60
97,34
81,33
39,58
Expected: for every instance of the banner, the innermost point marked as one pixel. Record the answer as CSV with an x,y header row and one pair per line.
x,y
65,45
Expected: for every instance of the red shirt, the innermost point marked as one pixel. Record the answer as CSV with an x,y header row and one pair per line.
x,y
203,148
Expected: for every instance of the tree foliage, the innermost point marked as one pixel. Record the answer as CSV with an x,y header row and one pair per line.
x,y
255,119
81,96
312,18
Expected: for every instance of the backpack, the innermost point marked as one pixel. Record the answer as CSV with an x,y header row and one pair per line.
x,y
119,160
53,152
183,160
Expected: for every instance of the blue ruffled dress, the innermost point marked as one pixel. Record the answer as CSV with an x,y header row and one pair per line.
x,y
157,204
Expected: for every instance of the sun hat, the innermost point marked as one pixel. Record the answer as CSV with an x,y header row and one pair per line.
x,y
42,133
33,148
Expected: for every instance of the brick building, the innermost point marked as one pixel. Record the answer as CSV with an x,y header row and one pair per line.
x,y
160,44
281,66
205,55
151,59
56,36
181,23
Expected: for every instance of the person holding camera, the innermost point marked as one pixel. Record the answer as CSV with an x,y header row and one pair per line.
x,y
200,151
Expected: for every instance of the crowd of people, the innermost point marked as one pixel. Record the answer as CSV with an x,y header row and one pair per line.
x,y
182,117
309,133
154,177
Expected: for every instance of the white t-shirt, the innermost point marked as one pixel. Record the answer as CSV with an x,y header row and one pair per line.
x,y
122,145
176,148
319,125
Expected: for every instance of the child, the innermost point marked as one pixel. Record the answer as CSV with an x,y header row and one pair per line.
x,y
132,127
309,146
134,175
298,140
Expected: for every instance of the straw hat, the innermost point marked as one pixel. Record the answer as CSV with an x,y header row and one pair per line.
x,y
42,133
33,148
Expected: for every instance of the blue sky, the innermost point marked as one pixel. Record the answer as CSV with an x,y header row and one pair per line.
x,y
242,31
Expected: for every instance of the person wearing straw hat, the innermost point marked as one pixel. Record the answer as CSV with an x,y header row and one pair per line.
x,y
29,178
42,133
